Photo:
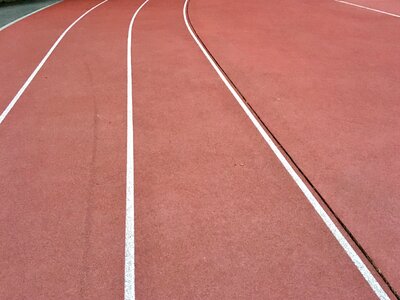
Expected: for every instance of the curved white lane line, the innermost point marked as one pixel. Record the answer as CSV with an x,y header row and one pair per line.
x,y
129,289
40,65
369,8
30,14
303,187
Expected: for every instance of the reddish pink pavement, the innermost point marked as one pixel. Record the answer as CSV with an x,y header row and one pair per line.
x,y
324,77
25,43
217,216
63,157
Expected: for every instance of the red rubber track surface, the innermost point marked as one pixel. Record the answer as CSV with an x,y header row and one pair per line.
x,y
217,216
323,76
25,43
63,158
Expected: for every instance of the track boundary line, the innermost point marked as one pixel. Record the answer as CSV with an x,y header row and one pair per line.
x,y
369,8
129,276
42,62
28,15
357,261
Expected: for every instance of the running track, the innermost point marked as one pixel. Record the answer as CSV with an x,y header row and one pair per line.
x,y
264,148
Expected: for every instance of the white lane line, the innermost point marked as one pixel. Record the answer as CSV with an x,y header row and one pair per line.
x,y
303,187
40,65
129,288
30,14
369,8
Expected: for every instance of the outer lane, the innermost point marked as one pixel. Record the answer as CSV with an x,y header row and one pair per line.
x,y
323,77
24,44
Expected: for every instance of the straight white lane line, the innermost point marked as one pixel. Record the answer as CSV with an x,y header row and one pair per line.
x,y
303,187
369,8
40,65
129,288
30,14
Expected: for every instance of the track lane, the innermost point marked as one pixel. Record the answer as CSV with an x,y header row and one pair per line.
x,y
388,7
31,77
288,164
63,161
24,44
323,79
216,216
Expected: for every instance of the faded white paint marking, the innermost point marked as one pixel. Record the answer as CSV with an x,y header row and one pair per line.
x,y
129,289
